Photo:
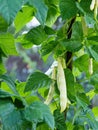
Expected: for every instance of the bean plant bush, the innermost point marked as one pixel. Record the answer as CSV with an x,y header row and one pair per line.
x,y
61,98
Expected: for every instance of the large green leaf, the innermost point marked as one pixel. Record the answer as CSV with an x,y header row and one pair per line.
x,y
11,118
39,112
68,9
10,8
37,80
23,16
41,10
7,44
36,35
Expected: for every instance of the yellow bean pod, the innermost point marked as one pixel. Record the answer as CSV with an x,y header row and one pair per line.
x,y
90,66
51,90
61,82
92,5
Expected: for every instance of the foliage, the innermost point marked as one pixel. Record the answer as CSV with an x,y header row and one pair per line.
x,y
74,42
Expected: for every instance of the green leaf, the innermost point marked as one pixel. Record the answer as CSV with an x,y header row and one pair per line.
x,y
9,9
10,117
93,50
41,10
95,111
2,68
93,38
68,8
10,83
91,119
52,15
23,17
59,120
49,31
25,43
77,32
48,47
36,35
4,94
82,100
79,127
39,112
70,126
20,88
82,63
71,45
70,84
52,2
37,80
86,117
84,7
94,81
7,44
42,126
3,25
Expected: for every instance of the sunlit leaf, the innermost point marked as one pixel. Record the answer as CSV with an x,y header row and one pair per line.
x,y
7,44
23,16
